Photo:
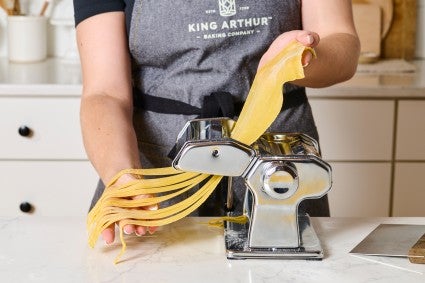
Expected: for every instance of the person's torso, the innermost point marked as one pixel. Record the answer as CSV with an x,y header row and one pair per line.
x,y
187,49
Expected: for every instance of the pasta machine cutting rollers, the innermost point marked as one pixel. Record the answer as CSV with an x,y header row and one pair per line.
x,y
279,170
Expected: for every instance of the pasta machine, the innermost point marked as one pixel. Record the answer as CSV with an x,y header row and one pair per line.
x,y
279,170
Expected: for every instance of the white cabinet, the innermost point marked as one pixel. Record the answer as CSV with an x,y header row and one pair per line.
x,y
409,189
52,125
409,185
354,130
52,188
360,189
376,149
411,130
42,160
356,138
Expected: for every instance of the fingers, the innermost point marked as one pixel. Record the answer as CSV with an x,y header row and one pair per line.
x,y
138,230
306,58
129,229
141,230
108,235
308,38
152,229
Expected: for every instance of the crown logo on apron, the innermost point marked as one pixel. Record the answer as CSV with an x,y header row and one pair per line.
x,y
227,7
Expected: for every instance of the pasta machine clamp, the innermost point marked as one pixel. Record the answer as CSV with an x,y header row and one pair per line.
x,y
279,170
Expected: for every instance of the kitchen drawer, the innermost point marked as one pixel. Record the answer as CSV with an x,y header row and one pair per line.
x,y
53,188
360,189
53,124
411,130
409,189
352,130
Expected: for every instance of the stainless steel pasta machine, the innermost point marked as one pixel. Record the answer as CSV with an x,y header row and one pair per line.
x,y
279,170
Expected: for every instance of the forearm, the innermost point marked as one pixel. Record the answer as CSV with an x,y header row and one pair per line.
x,y
338,48
106,104
337,57
108,134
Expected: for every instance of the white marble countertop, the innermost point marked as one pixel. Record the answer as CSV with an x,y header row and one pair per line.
x,y
59,77
50,77
378,85
53,249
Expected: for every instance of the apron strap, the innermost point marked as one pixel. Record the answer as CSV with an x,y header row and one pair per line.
x,y
217,104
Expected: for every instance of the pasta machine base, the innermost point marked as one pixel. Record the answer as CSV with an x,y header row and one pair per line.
x,y
237,247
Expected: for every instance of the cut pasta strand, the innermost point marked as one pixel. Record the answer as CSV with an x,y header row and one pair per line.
x,y
219,222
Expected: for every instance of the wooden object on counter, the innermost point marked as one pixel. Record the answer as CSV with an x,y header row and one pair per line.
x,y
367,19
400,41
386,7
44,8
11,7
417,252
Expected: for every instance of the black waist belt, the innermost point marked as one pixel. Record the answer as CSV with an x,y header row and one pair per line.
x,y
217,104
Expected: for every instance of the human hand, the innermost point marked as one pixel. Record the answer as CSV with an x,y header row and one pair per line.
x,y
307,38
108,234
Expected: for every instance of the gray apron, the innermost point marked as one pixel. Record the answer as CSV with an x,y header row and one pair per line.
x,y
185,50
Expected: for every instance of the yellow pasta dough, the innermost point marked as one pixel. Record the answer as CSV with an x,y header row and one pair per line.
x,y
265,97
261,108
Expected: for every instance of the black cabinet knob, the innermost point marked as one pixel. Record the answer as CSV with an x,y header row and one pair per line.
x,y
26,207
24,131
